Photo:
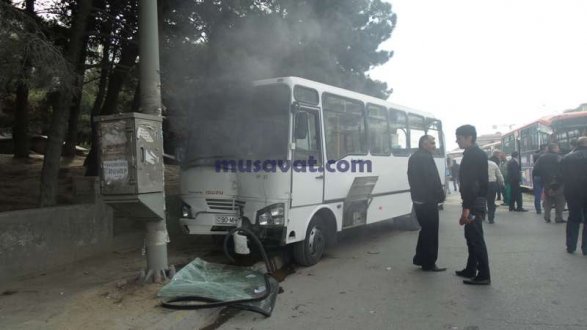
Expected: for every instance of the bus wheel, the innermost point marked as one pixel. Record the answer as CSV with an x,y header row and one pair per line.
x,y
309,251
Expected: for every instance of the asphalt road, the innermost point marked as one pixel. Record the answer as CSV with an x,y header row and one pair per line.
x,y
368,282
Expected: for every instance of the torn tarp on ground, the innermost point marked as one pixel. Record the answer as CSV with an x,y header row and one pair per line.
x,y
202,284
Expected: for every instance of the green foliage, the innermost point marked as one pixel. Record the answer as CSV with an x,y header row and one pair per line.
x,y
22,39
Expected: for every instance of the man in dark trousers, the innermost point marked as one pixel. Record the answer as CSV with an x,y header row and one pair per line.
x,y
514,179
547,168
454,171
427,192
474,181
537,184
574,173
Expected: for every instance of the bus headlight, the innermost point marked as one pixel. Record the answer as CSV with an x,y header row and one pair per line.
x,y
272,215
186,211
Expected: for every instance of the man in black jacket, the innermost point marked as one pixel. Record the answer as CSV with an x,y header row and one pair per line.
x,y
474,181
537,183
574,173
427,192
514,178
547,168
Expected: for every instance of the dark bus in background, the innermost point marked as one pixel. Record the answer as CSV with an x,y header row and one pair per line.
x,y
562,129
568,127
527,140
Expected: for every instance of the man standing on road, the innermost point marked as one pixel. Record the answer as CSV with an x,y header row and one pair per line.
x,y
426,190
537,182
494,185
503,167
474,181
454,170
514,179
495,158
547,169
574,172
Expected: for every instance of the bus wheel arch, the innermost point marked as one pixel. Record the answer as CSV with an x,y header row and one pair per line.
x,y
329,220
320,233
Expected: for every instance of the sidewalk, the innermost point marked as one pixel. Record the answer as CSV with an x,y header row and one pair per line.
x,y
100,293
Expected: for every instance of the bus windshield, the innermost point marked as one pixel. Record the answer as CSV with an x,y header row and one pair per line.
x,y
251,125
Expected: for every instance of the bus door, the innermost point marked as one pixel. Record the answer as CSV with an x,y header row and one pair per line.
x,y
307,181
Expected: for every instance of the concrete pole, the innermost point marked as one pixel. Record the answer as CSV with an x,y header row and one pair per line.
x,y
149,58
156,238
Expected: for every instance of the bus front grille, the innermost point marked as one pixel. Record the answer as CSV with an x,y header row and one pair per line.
x,y
225,204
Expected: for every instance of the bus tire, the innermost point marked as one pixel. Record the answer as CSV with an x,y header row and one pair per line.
x,y
309,251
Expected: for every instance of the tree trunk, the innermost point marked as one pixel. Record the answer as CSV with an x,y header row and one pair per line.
x,y
72,125
20,129
74,111
128,56
50,172
71,139
91,162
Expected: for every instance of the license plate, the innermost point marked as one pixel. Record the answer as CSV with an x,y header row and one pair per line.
x,y
226,219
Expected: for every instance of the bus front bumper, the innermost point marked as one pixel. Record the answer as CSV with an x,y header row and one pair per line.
x,y
208,224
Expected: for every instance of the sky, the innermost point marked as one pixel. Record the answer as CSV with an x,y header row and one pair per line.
x,y
494,64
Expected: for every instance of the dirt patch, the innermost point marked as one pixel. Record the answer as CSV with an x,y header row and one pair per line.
x,y
98,293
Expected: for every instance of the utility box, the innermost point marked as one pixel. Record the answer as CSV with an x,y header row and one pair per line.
x,y
131,164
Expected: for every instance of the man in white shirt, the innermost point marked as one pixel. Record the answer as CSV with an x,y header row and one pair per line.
x,y
495,184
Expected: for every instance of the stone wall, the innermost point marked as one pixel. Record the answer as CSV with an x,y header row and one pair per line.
x,y
33,241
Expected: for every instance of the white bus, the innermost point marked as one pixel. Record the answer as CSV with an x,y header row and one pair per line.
x,y
299,161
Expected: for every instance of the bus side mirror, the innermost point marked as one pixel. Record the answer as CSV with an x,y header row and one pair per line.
x,y
301,126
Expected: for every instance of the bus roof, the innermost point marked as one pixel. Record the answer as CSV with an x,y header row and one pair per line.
x,y
551,119
343,92
546,121
568,116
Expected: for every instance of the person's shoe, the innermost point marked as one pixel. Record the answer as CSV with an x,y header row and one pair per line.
x,y
511,210
521,210
571,251
547,220
464,273
504,204
433,269
491,221
560,221
538,212
585,252
477,281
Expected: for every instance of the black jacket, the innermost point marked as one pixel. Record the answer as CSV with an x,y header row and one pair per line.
x,y
425,185
574,174
547,168
474,177
514,172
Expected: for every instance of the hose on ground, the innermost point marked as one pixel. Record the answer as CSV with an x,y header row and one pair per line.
x,y
270,267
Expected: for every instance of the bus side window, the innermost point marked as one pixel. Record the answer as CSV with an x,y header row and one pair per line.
x,y
417,127
344,126
398,125
309,144
435,129
378,131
